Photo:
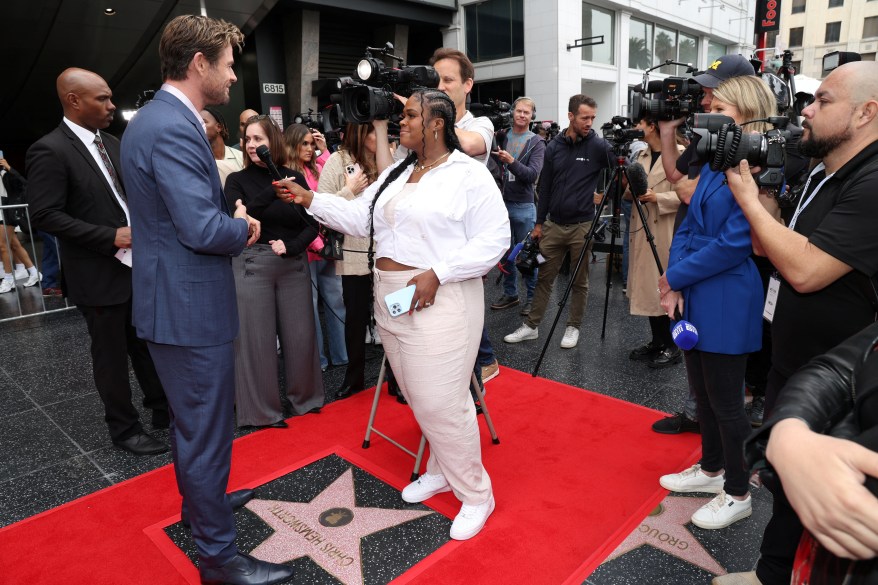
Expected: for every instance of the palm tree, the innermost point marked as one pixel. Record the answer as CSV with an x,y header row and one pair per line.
x,y
639,56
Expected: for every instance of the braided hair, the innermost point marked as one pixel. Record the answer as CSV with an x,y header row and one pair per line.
x,y
439,105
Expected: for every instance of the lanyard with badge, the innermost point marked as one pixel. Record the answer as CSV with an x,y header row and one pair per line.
x,y
774,280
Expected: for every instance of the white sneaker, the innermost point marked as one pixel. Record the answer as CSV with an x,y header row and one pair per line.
x,y
571,337
722,511
21,273
692,480
7,285
523,333
471,519
33,279
425,488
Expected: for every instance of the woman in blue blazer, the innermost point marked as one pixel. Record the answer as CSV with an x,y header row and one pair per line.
x,y
714,284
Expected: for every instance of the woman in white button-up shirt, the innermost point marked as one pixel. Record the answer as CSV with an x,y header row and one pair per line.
x,y
439,223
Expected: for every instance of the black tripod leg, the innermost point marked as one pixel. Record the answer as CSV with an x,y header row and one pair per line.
x,y
650,239
614,229
588,238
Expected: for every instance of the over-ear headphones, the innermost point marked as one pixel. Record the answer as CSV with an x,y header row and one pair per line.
x,y
533,106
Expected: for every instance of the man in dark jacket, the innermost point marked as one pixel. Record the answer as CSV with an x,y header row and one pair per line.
x,y
520,156
573,162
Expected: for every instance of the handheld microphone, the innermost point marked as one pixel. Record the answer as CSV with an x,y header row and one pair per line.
x,y
684,333
637,179
514,253
265,156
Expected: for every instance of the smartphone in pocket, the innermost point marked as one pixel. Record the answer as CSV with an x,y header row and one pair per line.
x,y
399,302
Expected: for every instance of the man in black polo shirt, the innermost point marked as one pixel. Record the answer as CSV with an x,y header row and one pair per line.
x,y
573,162
827,261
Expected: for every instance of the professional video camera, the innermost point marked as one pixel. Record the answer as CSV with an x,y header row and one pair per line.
x,y
724,144
310,119
368,94
620,133
499,112
551,128
674,97
529,258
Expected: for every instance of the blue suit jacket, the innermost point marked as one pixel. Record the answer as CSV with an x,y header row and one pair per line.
x,y
184,290
710,264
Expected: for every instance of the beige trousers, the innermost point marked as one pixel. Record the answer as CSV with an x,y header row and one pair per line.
x,y
432,353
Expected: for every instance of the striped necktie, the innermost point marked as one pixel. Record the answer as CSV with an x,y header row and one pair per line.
x,y
109,165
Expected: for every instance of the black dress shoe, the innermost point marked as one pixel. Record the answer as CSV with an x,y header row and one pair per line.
x,y
236,500
393,390
246,570
348,390
160,419
646,353
141,444
666,357
676,424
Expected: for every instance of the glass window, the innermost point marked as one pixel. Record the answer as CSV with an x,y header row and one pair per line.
x,y
687,51
714,51
596,22
494,29
798,6
665,47
870,27
506,90
640,45
836,3
796,36
833,32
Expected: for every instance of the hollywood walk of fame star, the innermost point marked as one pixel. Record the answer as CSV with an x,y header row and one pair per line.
x,y
665,529
328,529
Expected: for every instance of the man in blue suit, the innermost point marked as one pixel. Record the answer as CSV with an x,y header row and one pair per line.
x,y
184,291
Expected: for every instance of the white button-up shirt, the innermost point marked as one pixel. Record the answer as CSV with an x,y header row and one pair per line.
x,y
455,222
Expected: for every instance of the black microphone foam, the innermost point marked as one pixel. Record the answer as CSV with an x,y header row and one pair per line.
x,y
265,156
637,180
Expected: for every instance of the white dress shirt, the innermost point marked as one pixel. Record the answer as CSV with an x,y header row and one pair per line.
x,y
88,138
454,222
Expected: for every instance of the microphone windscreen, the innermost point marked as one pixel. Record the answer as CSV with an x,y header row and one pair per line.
x,y
637,180
264,155
685,335
514,253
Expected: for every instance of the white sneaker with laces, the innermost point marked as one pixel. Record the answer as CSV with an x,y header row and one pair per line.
x,y
523,333
471,519
722,511
692,480
571,337
7,285
33,279
425,488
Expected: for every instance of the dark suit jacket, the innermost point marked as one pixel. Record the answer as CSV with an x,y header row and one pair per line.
x,y
184,290
70,199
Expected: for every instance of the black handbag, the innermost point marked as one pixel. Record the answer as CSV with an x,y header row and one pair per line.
x,y
333,242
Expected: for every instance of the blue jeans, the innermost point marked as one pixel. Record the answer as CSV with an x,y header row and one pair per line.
x,y
486,355
626,213
522,217
49,265
328,285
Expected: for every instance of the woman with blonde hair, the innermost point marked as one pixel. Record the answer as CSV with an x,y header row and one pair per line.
x,y
714,284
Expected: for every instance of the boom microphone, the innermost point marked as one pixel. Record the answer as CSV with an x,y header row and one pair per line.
x,y
637,179
265,156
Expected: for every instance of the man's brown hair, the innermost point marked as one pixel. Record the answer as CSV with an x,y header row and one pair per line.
x,y
189,34
466,66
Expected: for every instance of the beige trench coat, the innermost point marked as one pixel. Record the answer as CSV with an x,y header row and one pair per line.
x,y
642,273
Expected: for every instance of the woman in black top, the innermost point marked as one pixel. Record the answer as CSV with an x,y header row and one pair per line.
x,y
274,291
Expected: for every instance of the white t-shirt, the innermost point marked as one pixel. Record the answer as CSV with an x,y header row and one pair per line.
x,y
455,222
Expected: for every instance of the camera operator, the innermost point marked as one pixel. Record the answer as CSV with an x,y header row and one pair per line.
x,y
573,162
520,154
676,166
827,259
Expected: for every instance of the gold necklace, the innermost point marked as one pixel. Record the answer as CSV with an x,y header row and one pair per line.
x,y
419,168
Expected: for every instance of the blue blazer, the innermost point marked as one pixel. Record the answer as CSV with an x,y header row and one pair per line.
x,y
182,236
710,264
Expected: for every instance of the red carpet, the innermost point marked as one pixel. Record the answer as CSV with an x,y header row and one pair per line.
x,y
575,472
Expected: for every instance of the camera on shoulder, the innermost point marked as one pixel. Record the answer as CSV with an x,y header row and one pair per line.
x,y
368,94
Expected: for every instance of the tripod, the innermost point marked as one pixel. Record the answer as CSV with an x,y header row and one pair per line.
x,y
619,172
